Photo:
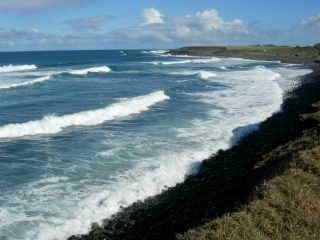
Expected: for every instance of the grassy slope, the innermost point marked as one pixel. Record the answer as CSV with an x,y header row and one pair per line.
x,y
266,52
287,206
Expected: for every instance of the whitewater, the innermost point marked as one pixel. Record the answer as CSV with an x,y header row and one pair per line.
x,y
86,133
54,124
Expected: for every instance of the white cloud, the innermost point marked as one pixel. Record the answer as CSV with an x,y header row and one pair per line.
x,y
152,16
313,21
210,20
203,27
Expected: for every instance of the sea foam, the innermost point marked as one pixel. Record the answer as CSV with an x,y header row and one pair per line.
x,y
25,83
102,69
250,96
52,124
256,89
202,74
16,68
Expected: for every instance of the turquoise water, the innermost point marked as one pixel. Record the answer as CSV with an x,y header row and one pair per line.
x,y
83,133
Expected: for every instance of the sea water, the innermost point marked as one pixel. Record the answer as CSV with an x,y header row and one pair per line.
x,y
84,133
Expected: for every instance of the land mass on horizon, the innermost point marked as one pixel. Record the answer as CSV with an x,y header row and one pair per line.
x,y
286,54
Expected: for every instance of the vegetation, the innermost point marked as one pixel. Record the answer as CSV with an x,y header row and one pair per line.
x,y
286,206
288,54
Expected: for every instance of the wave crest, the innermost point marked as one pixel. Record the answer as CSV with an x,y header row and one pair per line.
x,y
26,83
202,74
102,69
53,124
16,68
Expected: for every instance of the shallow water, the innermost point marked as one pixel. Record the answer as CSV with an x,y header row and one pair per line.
x,y
83,133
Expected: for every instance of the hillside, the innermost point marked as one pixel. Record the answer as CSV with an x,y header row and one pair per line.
x,y
286,205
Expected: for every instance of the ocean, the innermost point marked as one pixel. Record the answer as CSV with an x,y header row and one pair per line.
x,y
84,133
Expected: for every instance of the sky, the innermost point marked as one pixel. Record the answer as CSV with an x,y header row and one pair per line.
x,y
142,24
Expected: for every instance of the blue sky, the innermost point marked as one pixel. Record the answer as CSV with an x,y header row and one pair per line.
x,y
96,24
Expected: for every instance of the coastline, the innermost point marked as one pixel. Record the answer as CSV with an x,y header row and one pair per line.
x,y
224,181
295,55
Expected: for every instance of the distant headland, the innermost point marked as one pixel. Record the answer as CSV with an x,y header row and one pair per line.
x,y
287,54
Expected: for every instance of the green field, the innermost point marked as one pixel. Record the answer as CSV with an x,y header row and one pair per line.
x,y
287,54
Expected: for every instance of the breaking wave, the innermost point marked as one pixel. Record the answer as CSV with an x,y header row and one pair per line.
x,y
102,69
155,52
256,89
53,124
16,68
26,83
259,72
202,74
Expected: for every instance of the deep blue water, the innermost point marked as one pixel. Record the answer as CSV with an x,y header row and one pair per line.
x,y
83,133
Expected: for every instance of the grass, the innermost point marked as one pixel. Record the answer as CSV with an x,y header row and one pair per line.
x,y
289,54
285,207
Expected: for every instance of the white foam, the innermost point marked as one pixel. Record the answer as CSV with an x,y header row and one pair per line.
x,y
293,74
209,60
223,67
257,91
184,56
16,68
169,62
253,95
205,75
143,181
259,72
250,97
25,83
156,52
165,53
53,124
102,69
49,180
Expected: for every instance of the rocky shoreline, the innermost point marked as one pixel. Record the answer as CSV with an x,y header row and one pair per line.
x,y
226,180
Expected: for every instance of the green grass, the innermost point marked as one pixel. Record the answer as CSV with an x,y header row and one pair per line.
x,y
289,54
285,207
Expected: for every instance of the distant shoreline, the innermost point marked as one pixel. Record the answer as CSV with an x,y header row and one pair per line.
x,y
226,179
300,55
